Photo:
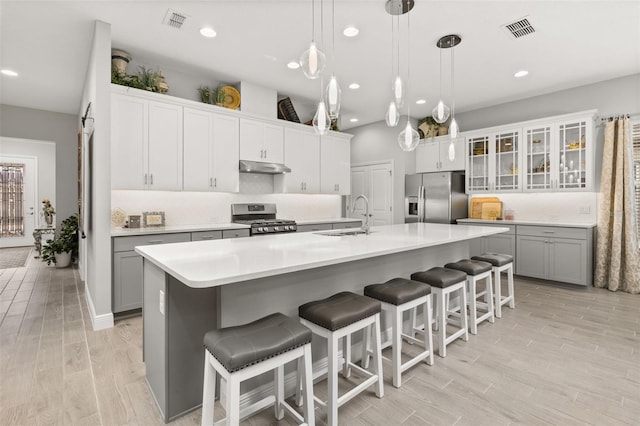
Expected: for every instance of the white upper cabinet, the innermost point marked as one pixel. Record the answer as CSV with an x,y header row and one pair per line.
x,y
129,142
261,141
146,146
165,146
552,154
335,165
302,156
211,144
432,155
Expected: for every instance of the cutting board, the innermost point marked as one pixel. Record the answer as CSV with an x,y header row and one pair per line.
x,y
475,212
491,210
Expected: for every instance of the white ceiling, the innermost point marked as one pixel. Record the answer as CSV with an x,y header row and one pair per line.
x,y
576,43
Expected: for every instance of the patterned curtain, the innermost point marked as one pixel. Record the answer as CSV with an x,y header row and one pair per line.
x,y
617,252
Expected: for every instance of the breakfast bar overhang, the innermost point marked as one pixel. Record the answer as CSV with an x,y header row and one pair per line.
x,y
191,288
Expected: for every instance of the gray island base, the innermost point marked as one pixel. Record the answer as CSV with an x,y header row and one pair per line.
x,y
190,288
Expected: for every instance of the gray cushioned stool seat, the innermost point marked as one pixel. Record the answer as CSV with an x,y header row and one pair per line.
x,y
340,310
244,345
496,259
439,277
470,267
397,291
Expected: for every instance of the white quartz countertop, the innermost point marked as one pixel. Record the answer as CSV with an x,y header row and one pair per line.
x,y
564,224
172,229
331,220
202,264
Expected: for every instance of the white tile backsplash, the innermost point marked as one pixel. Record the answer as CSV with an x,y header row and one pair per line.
x,y
194,208
553,207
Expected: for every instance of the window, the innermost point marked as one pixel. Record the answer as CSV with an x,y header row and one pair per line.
x,y
11,200
635,138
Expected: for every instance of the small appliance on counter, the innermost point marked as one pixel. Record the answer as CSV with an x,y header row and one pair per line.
x,y
133,221
261,218
486,208
435,197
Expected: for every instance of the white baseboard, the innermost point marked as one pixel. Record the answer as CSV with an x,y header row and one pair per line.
x,y
98,322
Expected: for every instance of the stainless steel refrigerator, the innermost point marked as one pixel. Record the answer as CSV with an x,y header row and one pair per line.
x,y
435,197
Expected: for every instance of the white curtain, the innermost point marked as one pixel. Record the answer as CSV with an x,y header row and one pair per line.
x,y
617,252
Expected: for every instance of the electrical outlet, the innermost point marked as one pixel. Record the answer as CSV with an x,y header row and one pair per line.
x,y
161,307
213,219
585,209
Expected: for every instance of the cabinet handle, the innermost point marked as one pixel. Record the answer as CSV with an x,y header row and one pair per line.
x,y
210,182
215,182
208,238
301,186
151,178
548,232
265,153
145,178
155,242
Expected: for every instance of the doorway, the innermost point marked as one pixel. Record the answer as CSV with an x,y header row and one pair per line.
x,y
18,201
374,181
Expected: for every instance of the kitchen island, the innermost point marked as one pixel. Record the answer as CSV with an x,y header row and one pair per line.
x,y
190,288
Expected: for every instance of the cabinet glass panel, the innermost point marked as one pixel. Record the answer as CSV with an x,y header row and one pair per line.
x,y
478,173
506,163
538,158
572,145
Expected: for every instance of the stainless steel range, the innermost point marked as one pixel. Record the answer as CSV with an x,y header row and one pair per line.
x,y
261,218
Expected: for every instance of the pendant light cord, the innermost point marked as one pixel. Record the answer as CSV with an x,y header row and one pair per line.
x,y
333,35
440,72
406,90
313,20
453,98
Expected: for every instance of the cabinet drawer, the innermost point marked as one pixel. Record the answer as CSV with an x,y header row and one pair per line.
x,y
345,225
206,235
235,233
128,243
315,227
553,231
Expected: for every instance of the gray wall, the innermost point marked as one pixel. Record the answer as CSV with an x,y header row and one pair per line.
x,y
376,141
26,123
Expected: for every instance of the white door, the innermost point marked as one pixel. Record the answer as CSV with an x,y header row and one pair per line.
x,y
225,152
165,146
28,208
374,181
198,130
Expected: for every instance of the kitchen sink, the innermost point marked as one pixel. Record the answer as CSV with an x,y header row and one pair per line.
x,y
342,233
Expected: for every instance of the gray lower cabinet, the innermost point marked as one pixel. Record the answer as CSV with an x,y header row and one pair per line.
x,y
504,243
314,227
555,253
127,264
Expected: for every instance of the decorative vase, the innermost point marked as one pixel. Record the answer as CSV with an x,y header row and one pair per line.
x,y
119,60
443,130
48,218
63,259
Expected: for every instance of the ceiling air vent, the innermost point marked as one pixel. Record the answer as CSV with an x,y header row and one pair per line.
x,y
519,28
174,19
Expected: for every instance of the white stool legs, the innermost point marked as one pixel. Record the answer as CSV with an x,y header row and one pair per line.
x,y
499,299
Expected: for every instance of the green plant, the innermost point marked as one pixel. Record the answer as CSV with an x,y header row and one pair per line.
x,y
205,94
219,95
429,120
64,241
148,79
123,79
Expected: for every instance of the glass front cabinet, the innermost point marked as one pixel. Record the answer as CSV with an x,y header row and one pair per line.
x,y
493,162
559,157
554,154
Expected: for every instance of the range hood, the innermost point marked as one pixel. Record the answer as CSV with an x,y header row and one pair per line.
x,y
260,167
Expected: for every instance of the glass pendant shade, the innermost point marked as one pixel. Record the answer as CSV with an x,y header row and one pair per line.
x,y
312,61
440,112
321,121
393,116
453,128
333,97
398,91
408,138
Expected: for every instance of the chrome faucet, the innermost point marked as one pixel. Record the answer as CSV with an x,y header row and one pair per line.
x,y
365,225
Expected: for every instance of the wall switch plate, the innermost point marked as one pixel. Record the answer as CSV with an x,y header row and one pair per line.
x,y
161,304
213,219
585,209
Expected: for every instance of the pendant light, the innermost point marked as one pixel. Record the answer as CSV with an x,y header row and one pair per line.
x,y
313,59
440,112
333,93
452,41
392,117
396,8
321,121
408,138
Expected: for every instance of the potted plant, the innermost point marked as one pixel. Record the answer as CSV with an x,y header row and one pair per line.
x,y
48,211
429,127
63,248
219,96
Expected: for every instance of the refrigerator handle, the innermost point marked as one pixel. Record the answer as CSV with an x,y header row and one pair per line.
x,y
421,204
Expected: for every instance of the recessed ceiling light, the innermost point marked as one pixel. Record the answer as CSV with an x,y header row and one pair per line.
x,y
9,73
354,120
521,73
208,32
293,65
421,101
351,31
354,86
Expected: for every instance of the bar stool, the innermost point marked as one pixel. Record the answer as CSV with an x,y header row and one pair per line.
x,y
500,263
245,351
338,317
397,296
445,282
476,270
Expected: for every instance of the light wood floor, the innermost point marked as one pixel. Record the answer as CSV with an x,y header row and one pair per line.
x,y
564,356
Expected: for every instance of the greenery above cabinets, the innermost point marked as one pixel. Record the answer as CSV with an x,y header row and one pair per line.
x,y
551,154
